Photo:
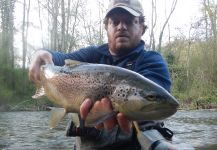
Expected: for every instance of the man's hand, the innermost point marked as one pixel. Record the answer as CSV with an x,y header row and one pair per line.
x,y
105,105
41,57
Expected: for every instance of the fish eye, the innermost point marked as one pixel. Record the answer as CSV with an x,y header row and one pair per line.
x,y
151,97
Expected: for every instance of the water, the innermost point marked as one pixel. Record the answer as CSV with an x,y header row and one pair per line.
x,y
198,128
29,130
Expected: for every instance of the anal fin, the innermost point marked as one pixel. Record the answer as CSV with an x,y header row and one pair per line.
x,y
57,114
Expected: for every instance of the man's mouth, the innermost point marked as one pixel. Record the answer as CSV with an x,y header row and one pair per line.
x,y
122,35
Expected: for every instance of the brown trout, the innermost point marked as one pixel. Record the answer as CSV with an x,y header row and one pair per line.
x,y
137,97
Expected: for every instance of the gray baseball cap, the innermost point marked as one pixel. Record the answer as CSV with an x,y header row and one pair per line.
x,y
134,7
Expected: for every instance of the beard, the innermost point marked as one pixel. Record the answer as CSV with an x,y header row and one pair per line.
x,y
121,47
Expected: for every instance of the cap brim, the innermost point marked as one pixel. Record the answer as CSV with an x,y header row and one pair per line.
x,y
130,10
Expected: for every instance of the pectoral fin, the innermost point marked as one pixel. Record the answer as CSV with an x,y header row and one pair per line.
x,y
57,114
95,118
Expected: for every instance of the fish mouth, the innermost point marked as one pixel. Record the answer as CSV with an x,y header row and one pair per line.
x,y
153,112
168,111
161,114
161,108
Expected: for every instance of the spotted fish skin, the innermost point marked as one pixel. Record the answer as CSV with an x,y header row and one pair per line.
x,y
130,93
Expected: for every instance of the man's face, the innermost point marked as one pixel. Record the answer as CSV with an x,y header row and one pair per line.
x,y
124,32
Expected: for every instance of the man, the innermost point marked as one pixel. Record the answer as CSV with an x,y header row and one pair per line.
x,y
124,23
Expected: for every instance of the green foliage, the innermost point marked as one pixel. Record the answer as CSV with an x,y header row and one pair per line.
x,y
178,75
193,72
16,91
14,85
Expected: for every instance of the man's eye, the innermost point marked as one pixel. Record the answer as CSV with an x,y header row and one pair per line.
x,y
129,22
126,22
135,21
116,22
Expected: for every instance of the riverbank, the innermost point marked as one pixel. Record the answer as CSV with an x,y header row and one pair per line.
x,y
26,105
197,104
4,108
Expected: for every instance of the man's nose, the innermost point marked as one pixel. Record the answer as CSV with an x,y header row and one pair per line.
x,y
122,25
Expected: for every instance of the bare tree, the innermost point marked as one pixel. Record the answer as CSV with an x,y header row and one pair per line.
x,y
7,20
25,27
165,23
101,25
67,23
153,24
7,39
94,31
54,20
211,11
63,26
40,21
72,38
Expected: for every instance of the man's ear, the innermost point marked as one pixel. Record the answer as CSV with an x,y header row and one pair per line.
x,y
106,27
144,28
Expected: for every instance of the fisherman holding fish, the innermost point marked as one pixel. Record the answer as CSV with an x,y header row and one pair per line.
x,y
125,24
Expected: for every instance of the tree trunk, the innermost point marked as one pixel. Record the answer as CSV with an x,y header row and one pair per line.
x,y
54,20
153,24
211,10
7,39
40,21
7,17
165,23
63,47
72,44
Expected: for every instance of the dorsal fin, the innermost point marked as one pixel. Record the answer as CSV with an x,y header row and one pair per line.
x,y
69,62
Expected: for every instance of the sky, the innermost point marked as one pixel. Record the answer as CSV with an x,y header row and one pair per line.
x,y
186,13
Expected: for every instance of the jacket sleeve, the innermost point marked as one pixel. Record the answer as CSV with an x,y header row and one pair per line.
x,y
154,67
87,54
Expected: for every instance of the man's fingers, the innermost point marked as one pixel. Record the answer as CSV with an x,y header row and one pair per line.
x,y
124,123
48,60
106,106
41,57
85,108
100,126
34,75
110,123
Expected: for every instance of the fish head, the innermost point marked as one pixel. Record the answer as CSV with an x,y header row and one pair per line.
x,y
158,104
149,103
